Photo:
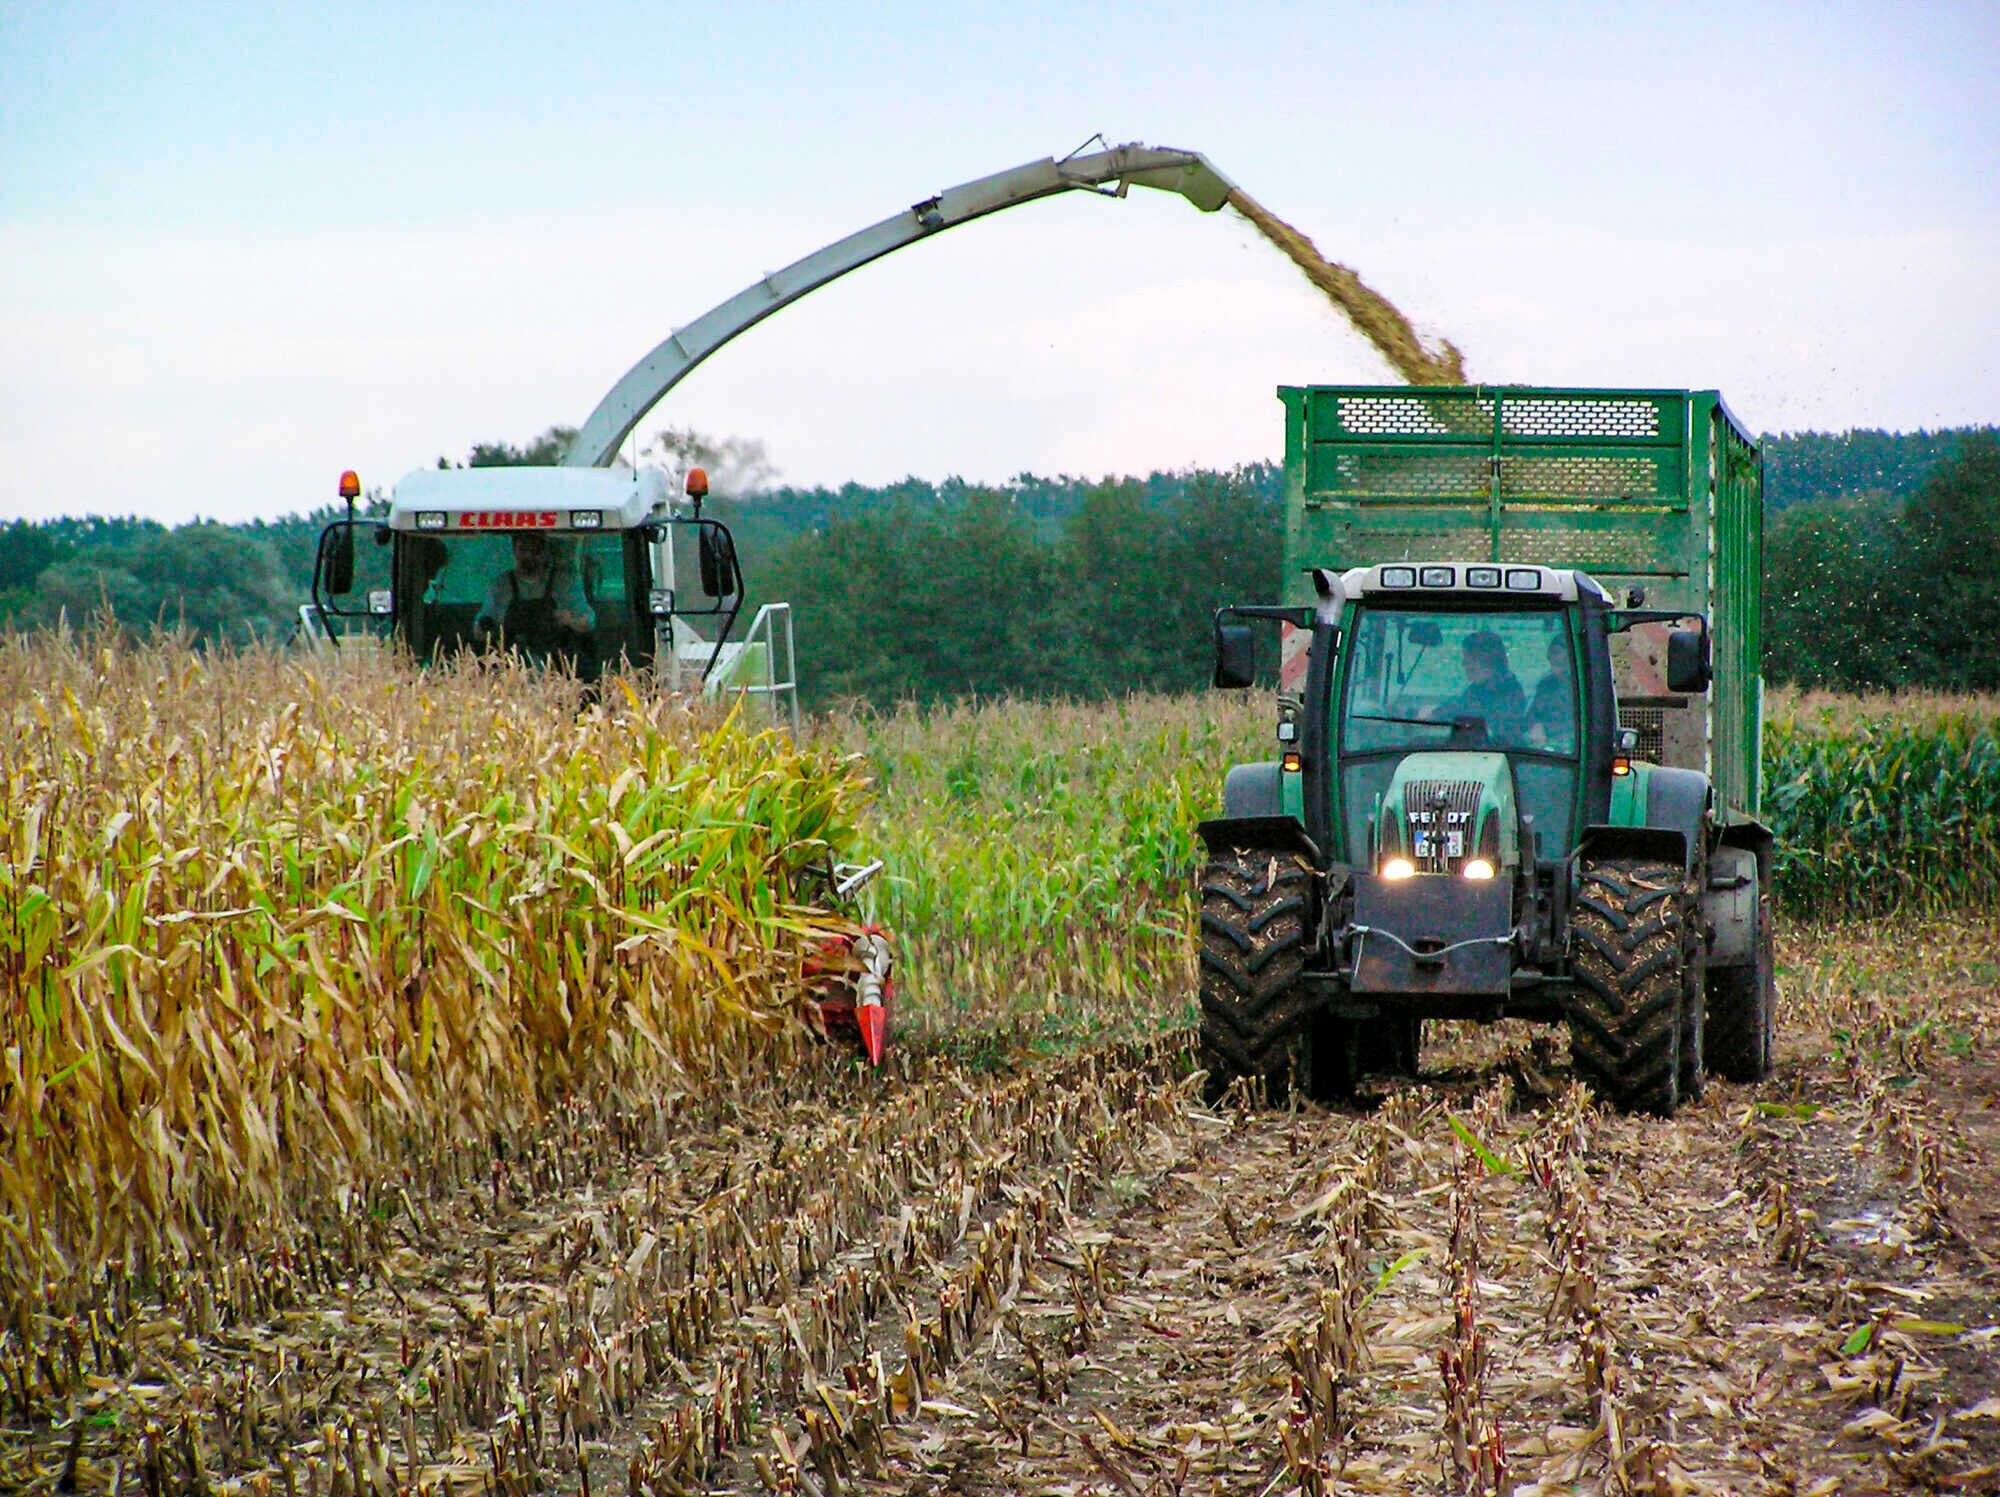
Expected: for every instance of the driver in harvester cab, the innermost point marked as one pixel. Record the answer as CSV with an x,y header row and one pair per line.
x,y
1492,691
537,604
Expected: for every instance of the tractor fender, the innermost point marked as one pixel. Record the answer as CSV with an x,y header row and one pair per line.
x,y
1675,818
1739,876
1661,844
1729,905
1225,834
1677,800
1252,790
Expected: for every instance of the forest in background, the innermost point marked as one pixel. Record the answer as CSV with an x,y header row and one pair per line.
x,y
1882,567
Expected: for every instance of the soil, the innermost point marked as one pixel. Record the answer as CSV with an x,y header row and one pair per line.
x,y
1079,1279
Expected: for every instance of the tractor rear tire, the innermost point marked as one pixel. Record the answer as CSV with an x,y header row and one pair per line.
x,y
1630,963
1742,1004
1255,913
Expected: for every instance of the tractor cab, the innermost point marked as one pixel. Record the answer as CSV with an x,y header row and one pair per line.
x,y
1456,714
578,569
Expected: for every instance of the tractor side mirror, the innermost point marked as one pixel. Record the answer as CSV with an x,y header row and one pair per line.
x,y
718,561
1235,656
1687,660
340,560
334,569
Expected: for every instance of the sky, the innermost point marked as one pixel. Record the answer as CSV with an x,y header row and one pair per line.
x,y
243,248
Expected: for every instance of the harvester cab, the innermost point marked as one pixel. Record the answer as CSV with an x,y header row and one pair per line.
x,y
1504,787
583,569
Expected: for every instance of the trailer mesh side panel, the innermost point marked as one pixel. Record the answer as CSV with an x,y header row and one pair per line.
x,y
1399,473
1562,416
1595,479
1646,477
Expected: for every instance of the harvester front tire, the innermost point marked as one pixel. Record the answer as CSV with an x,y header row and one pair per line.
x,y
1629,959
1255,912
1742,1003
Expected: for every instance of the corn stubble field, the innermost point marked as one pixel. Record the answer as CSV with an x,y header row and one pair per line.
x,y
401,1096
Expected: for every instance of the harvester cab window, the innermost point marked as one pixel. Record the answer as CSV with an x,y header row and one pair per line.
x,y
468,591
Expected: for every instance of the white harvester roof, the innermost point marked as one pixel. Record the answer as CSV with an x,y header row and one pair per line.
x,y
505,499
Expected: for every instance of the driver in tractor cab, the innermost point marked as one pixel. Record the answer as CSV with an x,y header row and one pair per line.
x,y
1492,691
537,604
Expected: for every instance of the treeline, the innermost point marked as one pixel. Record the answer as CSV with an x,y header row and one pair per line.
x,y
1062,587
973,590
1882,563
227,583
1870,591
1808,466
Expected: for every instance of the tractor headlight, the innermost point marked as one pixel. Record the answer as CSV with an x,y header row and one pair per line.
x,y
1477,868
1398,868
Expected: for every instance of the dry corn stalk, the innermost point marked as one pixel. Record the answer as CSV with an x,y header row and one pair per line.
x,y
268,939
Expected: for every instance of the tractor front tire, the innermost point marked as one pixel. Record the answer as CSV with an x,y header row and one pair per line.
x,y
1742,1002
1255,913
1629,958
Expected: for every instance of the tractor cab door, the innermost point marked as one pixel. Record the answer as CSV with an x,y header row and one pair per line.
x,y
353,590
696,595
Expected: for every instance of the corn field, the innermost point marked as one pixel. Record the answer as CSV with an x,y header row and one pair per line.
x,y
1007,821
276,939
1884,806
402,1097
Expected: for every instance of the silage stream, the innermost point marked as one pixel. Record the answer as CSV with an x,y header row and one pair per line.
x,y
1373,315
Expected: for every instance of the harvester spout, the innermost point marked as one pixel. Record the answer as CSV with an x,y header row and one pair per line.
x,y
1188,173
1108,172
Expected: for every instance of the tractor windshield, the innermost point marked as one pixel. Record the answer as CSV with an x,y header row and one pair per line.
x,y
1471,680
1460,680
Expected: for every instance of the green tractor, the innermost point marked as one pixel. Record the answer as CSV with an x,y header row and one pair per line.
x,y
1518,732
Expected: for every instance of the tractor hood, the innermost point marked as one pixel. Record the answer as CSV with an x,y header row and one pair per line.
x,y
1441,810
